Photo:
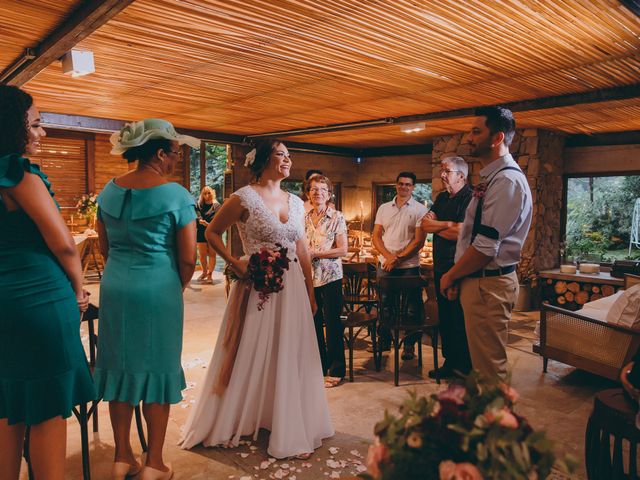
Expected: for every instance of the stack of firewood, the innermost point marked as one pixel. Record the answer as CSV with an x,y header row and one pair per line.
x,y
573,295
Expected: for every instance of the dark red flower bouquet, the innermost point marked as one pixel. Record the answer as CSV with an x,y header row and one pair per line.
x,y
265,271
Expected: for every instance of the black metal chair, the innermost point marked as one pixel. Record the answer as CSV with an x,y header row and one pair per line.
x,y
82,412
396,315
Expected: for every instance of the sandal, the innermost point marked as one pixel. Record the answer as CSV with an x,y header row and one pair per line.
x,y
202,277
331,382
303,456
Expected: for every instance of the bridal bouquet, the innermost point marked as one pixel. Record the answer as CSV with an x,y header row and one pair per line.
x,y
468,431
265,271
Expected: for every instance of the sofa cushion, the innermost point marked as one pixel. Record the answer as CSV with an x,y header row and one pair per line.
x,y
598,309
625,311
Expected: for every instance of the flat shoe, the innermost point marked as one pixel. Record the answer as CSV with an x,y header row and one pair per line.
x,y
331,382
122,470
149,473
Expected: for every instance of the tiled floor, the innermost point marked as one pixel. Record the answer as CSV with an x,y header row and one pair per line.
x,y
559,402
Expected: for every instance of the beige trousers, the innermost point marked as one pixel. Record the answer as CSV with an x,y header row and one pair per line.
x,y
487,303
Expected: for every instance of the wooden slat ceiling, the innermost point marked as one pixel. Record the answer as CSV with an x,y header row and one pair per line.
x,y
23,23
255,66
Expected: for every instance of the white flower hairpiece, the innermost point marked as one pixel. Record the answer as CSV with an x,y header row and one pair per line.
x,y
250,158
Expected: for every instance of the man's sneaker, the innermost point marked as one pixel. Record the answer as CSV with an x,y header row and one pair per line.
x,y
408,353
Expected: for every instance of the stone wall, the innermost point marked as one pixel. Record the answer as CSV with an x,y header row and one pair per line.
x,y
539,154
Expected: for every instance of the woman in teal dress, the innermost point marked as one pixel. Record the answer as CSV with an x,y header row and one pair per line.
x,y
148,237
43,367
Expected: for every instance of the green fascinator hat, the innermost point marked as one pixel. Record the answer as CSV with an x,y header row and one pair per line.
x,y
135,134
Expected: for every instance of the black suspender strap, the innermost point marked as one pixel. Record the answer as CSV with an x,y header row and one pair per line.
x,y
485,230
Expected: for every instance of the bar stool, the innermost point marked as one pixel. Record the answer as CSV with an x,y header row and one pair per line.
x,y
612,420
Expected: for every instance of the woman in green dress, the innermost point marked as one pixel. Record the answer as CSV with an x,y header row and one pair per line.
x,y
43,367
147,235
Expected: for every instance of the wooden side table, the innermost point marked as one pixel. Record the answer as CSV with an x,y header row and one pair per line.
x,y
613,420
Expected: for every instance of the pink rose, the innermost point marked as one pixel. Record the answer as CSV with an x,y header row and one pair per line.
x,y
455,393
447,470
503,416
509,392
508,420
458,471
377,453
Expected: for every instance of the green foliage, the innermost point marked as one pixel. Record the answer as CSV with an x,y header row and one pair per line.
x,y
215,165
599,214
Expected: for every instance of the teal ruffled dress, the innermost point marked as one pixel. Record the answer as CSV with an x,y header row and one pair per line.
x,y
141,308
43,367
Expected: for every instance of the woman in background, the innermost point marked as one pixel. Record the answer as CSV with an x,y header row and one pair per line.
x,y
326,232
147,235
206,208
43,367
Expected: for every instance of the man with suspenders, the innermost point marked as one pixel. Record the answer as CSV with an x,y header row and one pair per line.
x,y
490,243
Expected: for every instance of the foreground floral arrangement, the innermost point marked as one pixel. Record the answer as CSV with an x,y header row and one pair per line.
x,y
469,431
265,271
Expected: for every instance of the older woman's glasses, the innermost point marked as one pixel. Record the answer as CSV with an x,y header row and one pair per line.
x,y
318,189
447,172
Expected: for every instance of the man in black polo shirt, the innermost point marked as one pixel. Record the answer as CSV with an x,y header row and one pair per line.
x,y
444,221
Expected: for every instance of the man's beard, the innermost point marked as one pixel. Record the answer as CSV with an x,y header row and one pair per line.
x,y
480,150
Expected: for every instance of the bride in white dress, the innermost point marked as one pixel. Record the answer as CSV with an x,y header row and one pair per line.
x,y
276,380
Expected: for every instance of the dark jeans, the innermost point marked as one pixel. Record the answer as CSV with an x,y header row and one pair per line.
x,y
329,301
455,348
414,309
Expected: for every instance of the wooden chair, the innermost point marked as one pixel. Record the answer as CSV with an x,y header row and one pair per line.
x,y
359,293
353,254
356,322
395,315
358,287
82,412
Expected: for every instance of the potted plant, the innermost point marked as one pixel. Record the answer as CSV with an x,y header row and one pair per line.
x,y
468,431
527,279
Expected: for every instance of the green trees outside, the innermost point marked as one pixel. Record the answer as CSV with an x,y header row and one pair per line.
x,y
599,214
216,161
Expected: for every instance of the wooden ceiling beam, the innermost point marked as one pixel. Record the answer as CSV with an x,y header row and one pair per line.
x,y
544,103
108,125
81,23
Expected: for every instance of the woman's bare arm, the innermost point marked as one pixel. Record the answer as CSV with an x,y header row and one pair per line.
x,y
34,198
186,247
231,212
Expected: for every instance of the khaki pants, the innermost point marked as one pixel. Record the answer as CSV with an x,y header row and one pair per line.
x,y
487,303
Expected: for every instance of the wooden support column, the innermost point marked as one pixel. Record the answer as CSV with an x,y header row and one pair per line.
x,y
90,156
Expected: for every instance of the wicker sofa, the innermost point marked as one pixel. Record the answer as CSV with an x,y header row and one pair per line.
x,y
577,339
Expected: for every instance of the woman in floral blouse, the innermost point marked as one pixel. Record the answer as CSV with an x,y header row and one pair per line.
x,y
327,238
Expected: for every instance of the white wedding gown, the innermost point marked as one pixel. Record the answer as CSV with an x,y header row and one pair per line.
x,y
276,382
